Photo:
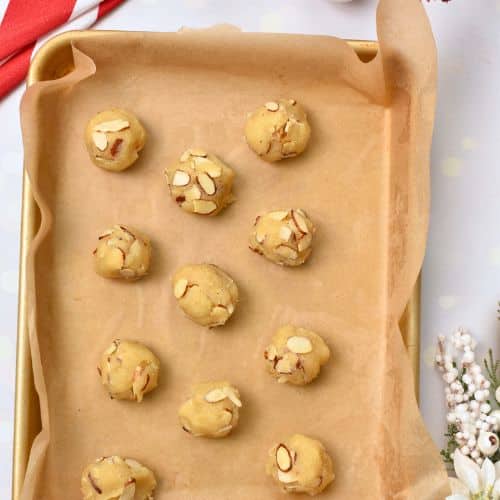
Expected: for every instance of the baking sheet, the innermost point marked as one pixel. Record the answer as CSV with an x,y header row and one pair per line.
x,y
363,181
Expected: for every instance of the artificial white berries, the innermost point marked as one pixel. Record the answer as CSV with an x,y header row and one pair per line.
x,y
468,396
488,443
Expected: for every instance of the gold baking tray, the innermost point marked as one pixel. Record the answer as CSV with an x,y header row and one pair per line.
x,y
52,61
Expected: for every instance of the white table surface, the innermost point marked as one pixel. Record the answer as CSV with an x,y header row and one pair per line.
x,y
462,267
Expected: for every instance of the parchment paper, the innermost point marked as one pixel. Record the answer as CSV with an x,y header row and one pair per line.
x,y
363,180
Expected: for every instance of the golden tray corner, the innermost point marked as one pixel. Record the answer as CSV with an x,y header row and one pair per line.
x,y
53,60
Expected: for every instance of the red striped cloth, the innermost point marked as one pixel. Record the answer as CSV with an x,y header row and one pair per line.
x,y
27,24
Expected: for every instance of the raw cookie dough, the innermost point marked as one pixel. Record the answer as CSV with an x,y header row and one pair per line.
x,y
114,139
212,411
283,236
300,465
115,478
296,355
128,370
278,130
205,293
200,183
122,252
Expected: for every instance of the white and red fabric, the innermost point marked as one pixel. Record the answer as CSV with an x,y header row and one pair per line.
x,y
27,24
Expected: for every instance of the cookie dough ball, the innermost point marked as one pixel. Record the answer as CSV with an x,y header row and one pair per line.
x,y
122,252
128,370
296,355
212,411
205,293
200,183
115,478
114,139
283,236
278,130
300,465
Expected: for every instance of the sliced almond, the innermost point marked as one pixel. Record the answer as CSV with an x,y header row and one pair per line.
x,y
185,156
93,483
113,258
228,416
212,170
112,348
181,178
271,352
193,193
305,242
198,152
224,430
135,250
286,477
289,148
127,273
294,228
283,458
260,237
283,366
113,242
112,126
107,233
128,491
207,166
180,288
128,234
230,308
292,102
202,161
299,345
300,222
215,395
220,314
207,183
285,233
272,106
278,215
100,140
204,207
286,252
133,464
231,394
141,379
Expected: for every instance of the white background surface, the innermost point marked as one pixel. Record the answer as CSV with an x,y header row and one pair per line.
x,y
462,267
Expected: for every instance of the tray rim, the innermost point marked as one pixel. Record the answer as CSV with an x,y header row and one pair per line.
x,y
27,422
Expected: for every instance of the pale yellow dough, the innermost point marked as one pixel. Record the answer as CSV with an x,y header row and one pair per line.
x,y
128,370
296,355
278,130
300,465
283,236
206,294
115,478
212,411
122,252
200,183
114,139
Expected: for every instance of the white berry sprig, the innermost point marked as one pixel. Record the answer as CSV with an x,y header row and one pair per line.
x,y
472,422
